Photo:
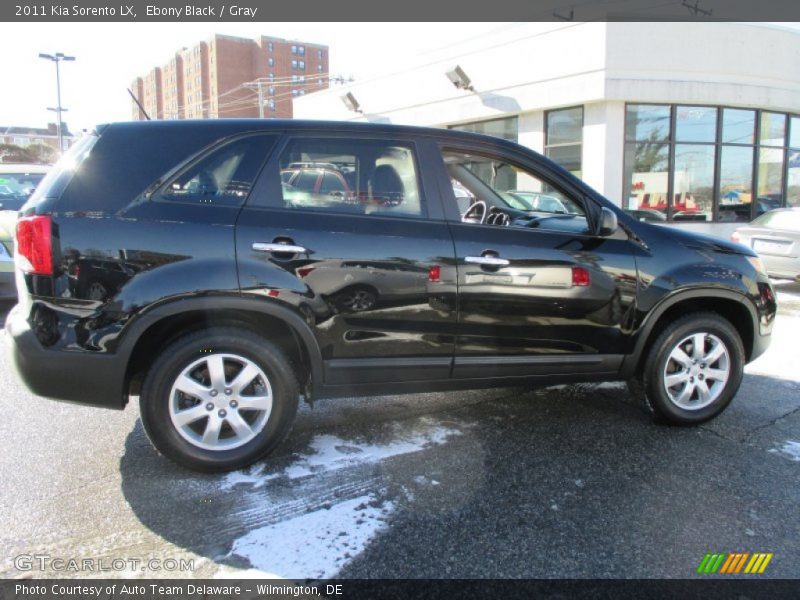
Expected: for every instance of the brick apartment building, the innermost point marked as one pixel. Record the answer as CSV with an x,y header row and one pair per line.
x,y
208,80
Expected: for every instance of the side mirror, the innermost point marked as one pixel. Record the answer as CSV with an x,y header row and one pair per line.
x,y
608,222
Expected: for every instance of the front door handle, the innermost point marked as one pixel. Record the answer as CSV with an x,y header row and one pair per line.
x,y
282,248
491,261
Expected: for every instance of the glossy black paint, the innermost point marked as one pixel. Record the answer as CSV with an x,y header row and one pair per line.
x,y
129,262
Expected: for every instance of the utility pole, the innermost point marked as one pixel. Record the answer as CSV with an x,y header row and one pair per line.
x,y
258,86
57,58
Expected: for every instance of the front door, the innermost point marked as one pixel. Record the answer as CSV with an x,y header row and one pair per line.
x,y
538,292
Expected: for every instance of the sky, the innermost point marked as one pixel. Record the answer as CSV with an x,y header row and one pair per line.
x,y
110,55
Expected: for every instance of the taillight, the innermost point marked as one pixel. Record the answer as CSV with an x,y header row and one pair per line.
x,y
580,276
435,274
34,249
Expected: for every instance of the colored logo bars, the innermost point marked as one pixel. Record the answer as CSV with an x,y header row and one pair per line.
x,y
734,562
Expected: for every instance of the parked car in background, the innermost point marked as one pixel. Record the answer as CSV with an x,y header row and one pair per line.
x,y
17,184
775,236
8,291
648,214
173,262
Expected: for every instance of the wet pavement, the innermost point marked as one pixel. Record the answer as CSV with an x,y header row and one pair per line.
x,y
572,481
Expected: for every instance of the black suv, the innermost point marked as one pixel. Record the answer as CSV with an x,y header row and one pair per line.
x,y
172,261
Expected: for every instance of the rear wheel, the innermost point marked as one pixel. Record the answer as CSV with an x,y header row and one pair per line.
x,y
219,399
693,370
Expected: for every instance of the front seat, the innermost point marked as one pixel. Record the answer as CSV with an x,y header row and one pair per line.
x,y
387,187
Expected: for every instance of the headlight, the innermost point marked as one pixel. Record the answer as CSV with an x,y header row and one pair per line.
x,y
758,265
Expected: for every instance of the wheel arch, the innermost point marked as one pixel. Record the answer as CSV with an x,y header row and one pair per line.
x,y
162,325
731,305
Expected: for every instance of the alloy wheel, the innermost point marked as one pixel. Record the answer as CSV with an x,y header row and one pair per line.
x,y
220,401
697,370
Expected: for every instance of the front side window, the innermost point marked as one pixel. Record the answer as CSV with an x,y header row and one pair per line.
x,y
222,178
491,191
367,177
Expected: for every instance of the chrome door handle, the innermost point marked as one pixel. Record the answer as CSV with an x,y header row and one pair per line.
x,y
286,248
492,261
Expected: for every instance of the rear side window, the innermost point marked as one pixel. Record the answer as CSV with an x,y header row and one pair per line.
x,y
370,177
57,179
222,177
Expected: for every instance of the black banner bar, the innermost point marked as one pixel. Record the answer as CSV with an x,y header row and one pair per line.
x,y
415,589
408,10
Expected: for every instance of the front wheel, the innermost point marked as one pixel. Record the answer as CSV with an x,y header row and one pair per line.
x,y
693,370
218,399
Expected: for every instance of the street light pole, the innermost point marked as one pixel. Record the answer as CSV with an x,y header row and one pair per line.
x,y
57,58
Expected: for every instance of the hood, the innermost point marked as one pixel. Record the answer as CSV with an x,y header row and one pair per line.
x,y
699,241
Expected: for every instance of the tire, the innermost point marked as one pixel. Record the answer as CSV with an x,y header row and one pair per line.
x,y
202,428
677,390
358,298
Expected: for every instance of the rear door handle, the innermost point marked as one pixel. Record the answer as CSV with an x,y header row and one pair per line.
x,y
492,261
274,247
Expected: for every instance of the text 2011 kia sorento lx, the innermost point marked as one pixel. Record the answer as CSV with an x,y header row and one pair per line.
x,y
221,269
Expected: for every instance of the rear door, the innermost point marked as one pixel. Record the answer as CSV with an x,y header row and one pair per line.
x,y
538,292
368,269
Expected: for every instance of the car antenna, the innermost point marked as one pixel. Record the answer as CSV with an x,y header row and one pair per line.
x,y
139,104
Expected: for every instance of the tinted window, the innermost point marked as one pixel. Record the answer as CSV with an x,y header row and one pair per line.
x,y
362,176
224,177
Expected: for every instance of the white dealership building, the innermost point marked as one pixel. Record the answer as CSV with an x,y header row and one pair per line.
x,y
699,122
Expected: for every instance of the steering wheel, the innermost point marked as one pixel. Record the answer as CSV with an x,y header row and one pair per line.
x,y
497,217
476,213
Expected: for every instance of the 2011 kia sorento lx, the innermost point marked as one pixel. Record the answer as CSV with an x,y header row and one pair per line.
x,y
222,270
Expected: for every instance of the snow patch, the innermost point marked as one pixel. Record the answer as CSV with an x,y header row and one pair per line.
x,y
318,544
330,453
792,449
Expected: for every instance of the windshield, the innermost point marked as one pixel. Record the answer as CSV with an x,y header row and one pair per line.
x,y
16,188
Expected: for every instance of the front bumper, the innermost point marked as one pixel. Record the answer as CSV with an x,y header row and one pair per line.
x,y
71,376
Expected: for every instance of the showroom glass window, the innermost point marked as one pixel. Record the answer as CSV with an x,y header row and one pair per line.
x,y
564,138
703,163
647,160
507,129
737,153
793,164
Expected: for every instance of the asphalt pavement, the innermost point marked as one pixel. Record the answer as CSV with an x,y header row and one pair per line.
x,y
572,481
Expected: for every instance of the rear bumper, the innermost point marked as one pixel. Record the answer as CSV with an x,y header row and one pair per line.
x,y
782,267
71,376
